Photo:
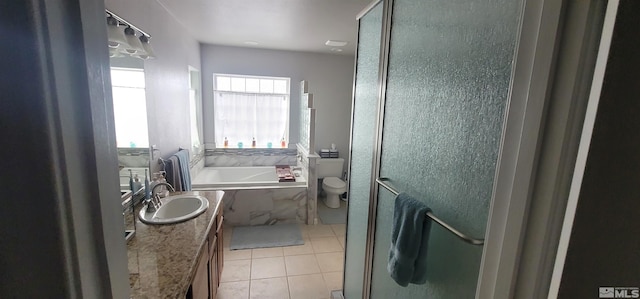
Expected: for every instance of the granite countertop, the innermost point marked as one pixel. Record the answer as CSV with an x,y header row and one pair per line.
x,y
162,258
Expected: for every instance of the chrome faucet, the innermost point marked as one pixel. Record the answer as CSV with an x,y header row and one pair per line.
x,y
153,190
154,203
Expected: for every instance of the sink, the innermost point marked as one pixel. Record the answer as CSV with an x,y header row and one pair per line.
x,y
175,209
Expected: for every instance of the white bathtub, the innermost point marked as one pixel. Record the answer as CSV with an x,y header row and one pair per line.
x,y
234,178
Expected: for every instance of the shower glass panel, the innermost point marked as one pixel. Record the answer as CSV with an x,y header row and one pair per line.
x,y
362,144
448,79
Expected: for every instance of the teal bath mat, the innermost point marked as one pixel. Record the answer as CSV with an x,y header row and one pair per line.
x,y
332,216
264,236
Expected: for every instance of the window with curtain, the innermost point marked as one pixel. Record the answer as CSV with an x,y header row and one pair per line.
x,y
248,108
129,107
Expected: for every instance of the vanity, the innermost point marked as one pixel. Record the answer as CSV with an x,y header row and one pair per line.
x,y
181,260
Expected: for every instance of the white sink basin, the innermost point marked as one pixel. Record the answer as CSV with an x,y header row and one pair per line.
x,y
175,209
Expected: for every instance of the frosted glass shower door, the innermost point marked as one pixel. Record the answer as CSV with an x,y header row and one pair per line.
x,y
362,144
448,79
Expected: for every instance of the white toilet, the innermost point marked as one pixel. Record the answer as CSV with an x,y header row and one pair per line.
x,y
330,171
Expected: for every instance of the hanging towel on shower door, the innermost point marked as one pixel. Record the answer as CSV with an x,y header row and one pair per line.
x,y
409,241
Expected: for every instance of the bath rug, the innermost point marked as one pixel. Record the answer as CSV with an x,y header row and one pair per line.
x,y
332,216
264,236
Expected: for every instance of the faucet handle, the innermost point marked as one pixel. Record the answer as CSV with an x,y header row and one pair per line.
x,y
151,205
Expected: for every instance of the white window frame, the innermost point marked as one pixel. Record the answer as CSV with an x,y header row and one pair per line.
x,y
219,140
195,114
141,125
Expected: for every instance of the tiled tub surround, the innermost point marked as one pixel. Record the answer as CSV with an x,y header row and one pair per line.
x,y
162,258
250,157
312,191
253,195
308,163
196,165
265,206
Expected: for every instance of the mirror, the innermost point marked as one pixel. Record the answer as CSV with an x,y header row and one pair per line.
x,y
195,113
132,134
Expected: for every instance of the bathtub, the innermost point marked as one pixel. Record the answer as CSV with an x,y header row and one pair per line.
x,y
253,195
235,178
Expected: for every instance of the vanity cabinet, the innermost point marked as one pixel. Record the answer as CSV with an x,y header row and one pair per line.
x,y
210,262
199,288
220,246
214,275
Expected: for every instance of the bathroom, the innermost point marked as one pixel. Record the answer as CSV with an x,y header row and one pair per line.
x,y
191,64
548,223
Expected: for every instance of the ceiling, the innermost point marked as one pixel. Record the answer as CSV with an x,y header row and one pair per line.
x,y
298,25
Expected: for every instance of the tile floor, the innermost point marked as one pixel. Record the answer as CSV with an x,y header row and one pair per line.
x,y
309,271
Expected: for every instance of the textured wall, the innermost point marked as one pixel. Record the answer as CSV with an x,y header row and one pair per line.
x,y
167,77
330,80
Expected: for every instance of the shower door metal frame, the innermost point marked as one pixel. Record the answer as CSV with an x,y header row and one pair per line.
x,y
360,15
387,13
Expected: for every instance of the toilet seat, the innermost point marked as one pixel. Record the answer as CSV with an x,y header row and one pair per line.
x,y
334,182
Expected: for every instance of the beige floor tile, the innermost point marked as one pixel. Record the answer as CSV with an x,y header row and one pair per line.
x,y
236,270
320,230
301,264
310,286
339,229
333,280
270,288
267,267
232,255
227,231
233,290
299,249
331,261
304,229
326,244
266,252
342,241
227,228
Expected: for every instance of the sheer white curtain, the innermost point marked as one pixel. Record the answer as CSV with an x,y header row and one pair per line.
x,y
240,117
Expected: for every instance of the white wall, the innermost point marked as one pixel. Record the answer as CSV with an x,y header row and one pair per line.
x,y
167,76
330,80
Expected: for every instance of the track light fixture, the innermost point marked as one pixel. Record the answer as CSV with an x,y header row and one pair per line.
x,y
124,39
148,50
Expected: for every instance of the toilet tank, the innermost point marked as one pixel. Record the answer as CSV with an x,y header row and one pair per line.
x,y
330,167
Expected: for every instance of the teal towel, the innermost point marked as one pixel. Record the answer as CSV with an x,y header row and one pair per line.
x,y
409,241
185,176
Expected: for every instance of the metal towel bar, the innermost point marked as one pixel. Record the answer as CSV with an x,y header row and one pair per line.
x,y
470,240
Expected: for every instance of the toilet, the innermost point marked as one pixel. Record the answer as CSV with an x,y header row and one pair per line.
x,y
330,171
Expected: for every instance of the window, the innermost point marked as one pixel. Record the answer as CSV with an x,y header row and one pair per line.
x,y
129,107
248,108
194,110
